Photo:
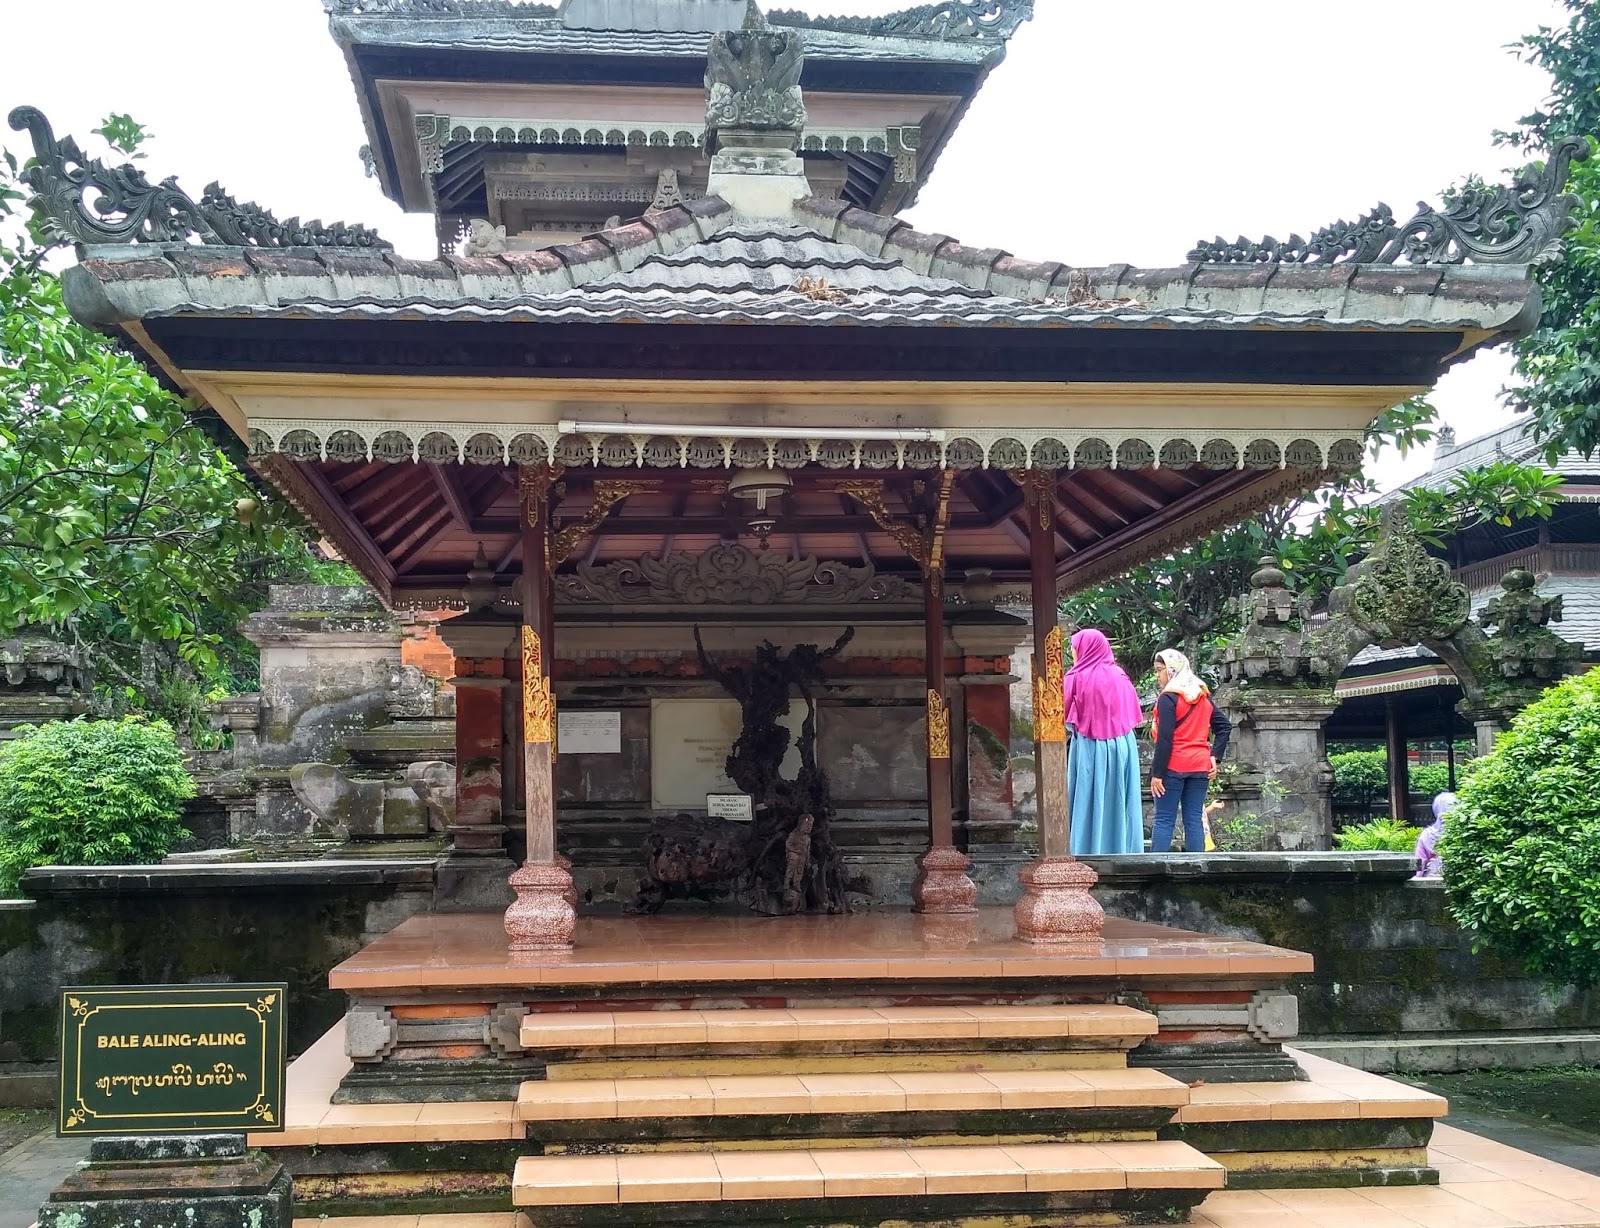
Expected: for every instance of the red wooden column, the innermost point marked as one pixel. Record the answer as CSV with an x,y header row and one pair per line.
x,y
542,918
942,885
1056,905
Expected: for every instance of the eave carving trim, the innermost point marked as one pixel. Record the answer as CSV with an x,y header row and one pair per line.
x,y
730,574
1518,224
435,132
439,443
84,201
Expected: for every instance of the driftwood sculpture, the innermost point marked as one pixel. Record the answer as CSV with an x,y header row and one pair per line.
x,y
785,861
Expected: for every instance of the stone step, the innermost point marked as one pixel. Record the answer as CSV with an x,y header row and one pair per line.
x,y
1094,1024
855,1094
791,1178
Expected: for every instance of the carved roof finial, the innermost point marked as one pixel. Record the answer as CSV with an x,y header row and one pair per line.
x,y
84,200
753,82
1517,224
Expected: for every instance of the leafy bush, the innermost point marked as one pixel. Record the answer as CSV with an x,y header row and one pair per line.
x,y
1360,777
90,793
1428,780
1243,833
1379,836
1522,847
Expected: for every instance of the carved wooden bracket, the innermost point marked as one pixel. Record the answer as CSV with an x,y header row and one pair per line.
x,y
1036,484
921,537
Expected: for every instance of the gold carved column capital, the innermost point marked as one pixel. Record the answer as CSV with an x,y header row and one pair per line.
x,y
1039,491
938,726
1049,705
538,699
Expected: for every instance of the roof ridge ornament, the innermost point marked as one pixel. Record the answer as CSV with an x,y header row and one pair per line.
x,y
979,20
435,8
90,203
753,81
1517,224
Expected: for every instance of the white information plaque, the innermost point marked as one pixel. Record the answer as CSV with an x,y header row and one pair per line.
x,y
589,733
689,744
735,806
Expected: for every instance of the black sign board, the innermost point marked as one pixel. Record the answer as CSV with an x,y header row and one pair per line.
x,y
172,1059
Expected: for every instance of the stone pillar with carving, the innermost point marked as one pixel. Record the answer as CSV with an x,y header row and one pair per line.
x,y
41,680
542,918
1277,681
1056,905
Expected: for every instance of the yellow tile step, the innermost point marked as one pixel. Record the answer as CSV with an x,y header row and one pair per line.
x,y
801,1173
758,1095
752,1025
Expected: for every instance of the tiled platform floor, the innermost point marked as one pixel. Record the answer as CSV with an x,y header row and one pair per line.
x,y
469,949
1482,1184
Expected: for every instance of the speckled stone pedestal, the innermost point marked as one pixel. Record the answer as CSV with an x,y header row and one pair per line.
x,y
188,1181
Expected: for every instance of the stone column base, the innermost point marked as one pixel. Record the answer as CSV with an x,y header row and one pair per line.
x,y
206,1179
542,918
942,885
1056,905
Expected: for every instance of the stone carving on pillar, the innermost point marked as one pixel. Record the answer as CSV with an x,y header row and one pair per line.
x,y
1525,655
1403,594
434,781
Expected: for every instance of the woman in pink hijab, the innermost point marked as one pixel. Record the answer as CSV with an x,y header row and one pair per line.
x,y
1103,782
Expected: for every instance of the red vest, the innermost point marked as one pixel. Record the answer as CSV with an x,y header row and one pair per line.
x,y
1191,739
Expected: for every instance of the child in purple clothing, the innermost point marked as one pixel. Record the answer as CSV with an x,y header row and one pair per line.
x,y
1429,863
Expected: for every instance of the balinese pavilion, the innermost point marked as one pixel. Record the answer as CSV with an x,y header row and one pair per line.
x,y
711,448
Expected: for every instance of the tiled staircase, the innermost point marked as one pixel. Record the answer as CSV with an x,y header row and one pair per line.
x,y
1025,1115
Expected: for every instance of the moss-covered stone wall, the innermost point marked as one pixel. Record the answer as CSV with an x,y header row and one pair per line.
x,y
179,925
1389,957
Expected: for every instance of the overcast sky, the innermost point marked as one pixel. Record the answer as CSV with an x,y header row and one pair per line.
x,y
1113,132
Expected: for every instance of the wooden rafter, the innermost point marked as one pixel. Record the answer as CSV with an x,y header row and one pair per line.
x,y
455,498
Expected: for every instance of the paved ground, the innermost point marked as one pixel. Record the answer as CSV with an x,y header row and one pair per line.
x,y
30,1170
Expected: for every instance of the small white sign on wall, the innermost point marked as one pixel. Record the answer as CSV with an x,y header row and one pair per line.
x,y
735,806
589,733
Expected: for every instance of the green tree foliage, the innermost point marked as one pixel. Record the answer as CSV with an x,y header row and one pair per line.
x,y
1560,360
1522,846
93,793
126,519
1190,599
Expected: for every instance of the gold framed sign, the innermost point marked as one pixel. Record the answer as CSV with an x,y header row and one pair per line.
x,y
172,1059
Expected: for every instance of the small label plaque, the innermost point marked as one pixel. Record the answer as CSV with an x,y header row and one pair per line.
x,y
589,733
735,806
172,1059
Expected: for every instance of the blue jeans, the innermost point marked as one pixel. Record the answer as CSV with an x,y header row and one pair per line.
x,y
1189,790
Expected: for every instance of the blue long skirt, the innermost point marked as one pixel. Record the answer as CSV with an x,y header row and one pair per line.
x,y
1103,795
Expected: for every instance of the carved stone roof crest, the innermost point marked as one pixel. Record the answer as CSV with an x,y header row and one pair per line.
x,y
1404,595
753,79
730,574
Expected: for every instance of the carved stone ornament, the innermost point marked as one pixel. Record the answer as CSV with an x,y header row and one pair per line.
x,y
484,238
753,79
1404,594
1521,645
730,574
83,200
1517,224
983,20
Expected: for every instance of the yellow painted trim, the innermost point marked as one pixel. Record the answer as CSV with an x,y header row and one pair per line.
x,y
865,1063
1321,1161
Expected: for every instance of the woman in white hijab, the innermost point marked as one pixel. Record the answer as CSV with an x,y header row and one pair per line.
x,y
1186,722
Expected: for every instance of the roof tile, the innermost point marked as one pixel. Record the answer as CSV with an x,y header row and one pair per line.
x,y
916,248
196,263
969,265
1024,279
130,270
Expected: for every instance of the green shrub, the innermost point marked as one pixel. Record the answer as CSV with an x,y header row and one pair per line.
x,y
1522,847
1360,778
1428,780
1379,836
90,793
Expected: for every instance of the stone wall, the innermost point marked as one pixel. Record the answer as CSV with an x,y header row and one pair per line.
x,y
1389,958
187,924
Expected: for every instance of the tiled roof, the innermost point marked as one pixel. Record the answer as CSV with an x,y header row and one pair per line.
x,y
1513,443
540,35
700,262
